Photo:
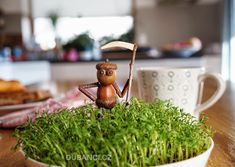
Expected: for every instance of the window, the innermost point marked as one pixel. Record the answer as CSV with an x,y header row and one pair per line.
x,y
228,61
68,27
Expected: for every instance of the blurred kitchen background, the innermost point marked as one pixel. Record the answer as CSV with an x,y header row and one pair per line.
x,y
60,40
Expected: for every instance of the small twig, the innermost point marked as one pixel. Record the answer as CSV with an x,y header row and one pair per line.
x,y
131,73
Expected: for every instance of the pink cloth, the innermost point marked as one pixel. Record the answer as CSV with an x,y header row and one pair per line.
x,y
73,98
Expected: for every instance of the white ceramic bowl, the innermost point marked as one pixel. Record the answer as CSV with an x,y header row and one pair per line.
x,y
198,161
29,162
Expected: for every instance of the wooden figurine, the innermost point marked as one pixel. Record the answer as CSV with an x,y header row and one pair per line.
x,y
106,75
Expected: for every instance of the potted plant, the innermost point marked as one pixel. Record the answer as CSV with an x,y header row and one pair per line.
x,y
83,44
140,134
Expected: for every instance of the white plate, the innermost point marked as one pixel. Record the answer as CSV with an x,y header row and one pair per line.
x,y
20,106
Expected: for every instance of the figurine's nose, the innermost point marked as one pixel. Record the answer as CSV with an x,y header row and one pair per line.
x,y
109,72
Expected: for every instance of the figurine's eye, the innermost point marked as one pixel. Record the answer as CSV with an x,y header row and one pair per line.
x,y
102,72
109,73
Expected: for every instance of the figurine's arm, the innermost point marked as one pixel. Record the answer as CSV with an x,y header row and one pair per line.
x,y
83,88
121,94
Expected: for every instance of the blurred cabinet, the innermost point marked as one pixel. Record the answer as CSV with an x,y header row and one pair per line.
x,y
11,30
14,6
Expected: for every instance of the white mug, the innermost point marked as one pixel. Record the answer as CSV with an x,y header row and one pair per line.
x,y
182,86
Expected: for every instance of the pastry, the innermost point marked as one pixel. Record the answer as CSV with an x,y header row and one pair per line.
x,y
13,92
11,86
13,98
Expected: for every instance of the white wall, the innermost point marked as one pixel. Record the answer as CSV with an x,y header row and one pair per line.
x,y
158,25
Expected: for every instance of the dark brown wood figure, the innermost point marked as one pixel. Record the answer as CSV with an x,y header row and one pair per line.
x,y
106,75
107,87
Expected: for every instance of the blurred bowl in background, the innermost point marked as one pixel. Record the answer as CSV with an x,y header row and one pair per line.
x,y
184,52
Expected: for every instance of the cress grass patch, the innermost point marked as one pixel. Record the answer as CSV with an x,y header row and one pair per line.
x,y
143,134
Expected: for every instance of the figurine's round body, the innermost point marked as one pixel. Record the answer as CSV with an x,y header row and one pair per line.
x,y
106,75
106,96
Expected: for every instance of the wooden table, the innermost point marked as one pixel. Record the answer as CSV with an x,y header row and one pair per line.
x,y
221,118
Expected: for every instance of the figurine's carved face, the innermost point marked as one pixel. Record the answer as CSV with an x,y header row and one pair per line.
x,y
106,76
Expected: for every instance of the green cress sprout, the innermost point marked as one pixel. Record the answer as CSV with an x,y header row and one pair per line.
x,y
142,134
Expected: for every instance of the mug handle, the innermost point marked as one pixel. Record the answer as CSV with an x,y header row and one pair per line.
x,y
221,85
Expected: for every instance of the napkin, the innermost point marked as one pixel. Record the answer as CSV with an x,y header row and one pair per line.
x,y
73,98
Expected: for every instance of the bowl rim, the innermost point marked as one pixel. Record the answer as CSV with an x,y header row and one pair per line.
x,y
35,161
193,158
208,151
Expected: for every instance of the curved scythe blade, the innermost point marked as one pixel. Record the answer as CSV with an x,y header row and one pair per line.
x,y
118,44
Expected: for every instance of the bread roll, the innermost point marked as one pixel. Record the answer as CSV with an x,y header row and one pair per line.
x,y
11,86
